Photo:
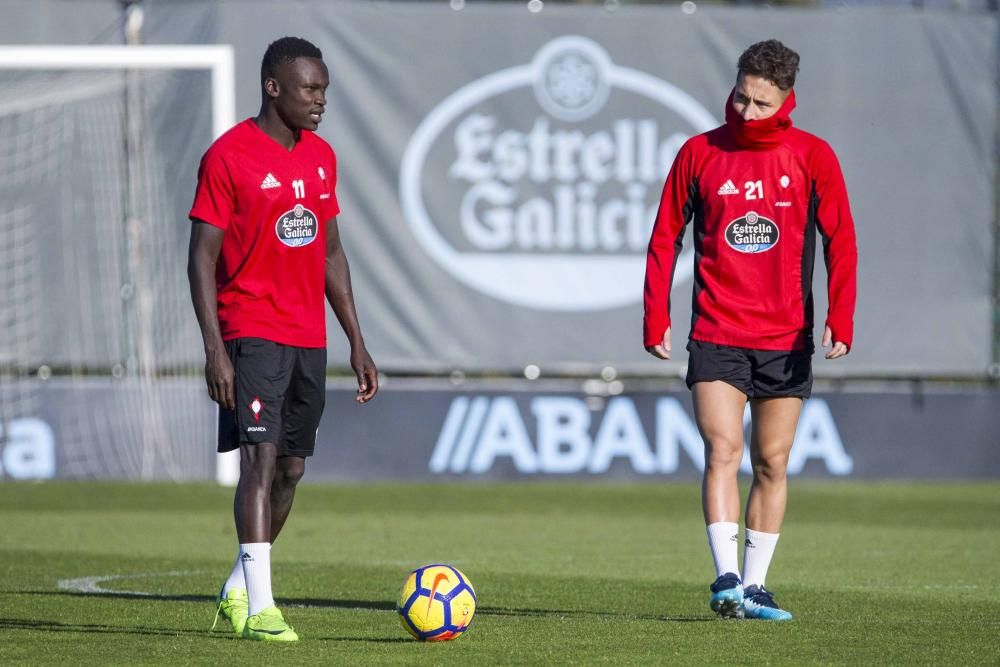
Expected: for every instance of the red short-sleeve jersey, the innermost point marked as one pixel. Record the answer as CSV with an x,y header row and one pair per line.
x,y
273,205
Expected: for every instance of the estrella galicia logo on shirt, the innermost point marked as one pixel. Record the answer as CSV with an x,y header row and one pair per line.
x,y
297,227
752,233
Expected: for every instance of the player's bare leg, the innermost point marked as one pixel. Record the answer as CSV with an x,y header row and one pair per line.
x,y
252,504
251,573
252,510
718,409
287,473
774,422
718,412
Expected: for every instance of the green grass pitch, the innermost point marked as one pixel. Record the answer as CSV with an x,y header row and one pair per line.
x,y
565,573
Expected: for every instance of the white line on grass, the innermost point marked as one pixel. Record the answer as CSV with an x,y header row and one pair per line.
x,y
92,585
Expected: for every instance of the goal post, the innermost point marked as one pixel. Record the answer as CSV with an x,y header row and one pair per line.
x,y
218,59
151,410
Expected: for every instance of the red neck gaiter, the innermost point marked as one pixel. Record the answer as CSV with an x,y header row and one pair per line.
x,y
760,135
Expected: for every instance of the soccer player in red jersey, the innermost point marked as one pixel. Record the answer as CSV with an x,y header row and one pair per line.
x,y
757,191
265,250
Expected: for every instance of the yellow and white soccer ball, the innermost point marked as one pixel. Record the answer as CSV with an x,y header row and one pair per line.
x,y
436,603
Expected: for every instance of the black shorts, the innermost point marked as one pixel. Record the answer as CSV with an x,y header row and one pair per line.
x,y
757,373
280,394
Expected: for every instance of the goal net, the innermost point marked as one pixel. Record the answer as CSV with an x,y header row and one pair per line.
x,y
99,148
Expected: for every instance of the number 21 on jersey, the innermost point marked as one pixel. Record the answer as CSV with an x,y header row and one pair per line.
x,y
755,189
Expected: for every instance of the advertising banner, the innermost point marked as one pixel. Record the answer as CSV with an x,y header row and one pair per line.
x,y
525,434
430,430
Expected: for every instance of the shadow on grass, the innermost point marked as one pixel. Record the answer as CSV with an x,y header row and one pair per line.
x,y
369,640
586,613
100,628
377,605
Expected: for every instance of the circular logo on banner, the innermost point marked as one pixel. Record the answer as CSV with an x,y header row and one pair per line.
x,y
572,78
752,233
538,184
297,227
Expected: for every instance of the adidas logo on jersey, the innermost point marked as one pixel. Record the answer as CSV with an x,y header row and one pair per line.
x,y
728,188
269,182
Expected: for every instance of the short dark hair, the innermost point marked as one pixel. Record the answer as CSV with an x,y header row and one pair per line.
x,y
286,50
771,60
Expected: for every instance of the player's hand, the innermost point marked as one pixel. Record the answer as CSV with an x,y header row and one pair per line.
x,y
661,351
838,350
220,377
367,374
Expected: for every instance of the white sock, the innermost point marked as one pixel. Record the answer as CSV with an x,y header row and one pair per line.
x,y
757,556
256,560
236,578
723,539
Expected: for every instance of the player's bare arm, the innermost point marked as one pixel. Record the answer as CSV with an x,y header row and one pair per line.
x,y
341,298
203,253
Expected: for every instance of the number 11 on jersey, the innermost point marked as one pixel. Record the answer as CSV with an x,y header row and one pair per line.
x,y
299,188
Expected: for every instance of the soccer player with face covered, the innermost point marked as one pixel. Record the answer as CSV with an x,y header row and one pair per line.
x,y
757,192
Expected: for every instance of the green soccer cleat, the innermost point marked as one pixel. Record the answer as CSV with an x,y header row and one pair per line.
x,y
235,607
269,626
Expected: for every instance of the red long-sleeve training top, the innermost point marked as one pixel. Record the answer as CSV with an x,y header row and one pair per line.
x,y
757,193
